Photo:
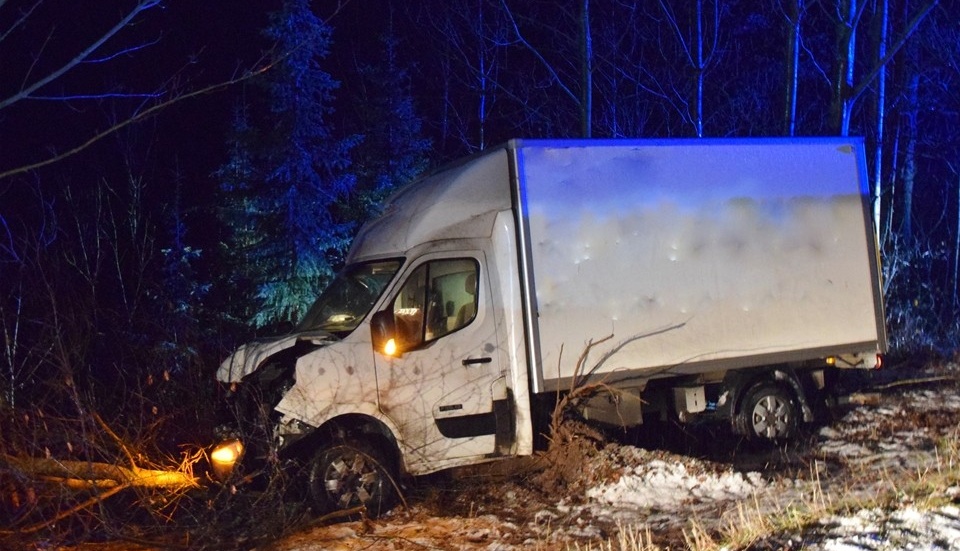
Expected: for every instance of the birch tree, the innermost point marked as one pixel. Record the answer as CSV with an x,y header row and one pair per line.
x,y
883,6
847,89
698,38
470,43
793,12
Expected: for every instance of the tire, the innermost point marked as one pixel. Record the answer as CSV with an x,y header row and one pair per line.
x,y
768,413
344,476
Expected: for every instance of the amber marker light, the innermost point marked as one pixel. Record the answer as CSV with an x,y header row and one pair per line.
x,y
224,457
390,349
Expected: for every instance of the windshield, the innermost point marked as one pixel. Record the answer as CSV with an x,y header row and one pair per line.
x,y
349,297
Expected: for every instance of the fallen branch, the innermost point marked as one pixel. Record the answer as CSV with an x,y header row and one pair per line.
x,y
92,475
103,479
73,510
579,389
913,382
89,475
570,441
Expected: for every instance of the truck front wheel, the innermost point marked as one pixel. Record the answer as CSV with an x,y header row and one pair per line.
x,y
768,412
345,476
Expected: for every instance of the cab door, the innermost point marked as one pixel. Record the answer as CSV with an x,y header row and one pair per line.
x,y
440,388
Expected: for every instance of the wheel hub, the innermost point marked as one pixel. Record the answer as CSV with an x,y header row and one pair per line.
x,y
770,417
350,480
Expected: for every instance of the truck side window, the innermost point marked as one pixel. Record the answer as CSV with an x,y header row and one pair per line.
x,y
438,298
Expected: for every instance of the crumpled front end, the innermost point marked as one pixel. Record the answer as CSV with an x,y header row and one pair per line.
x,y
246,359
257,377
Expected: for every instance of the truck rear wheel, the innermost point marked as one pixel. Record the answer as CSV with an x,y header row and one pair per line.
x,y
768,412
345,476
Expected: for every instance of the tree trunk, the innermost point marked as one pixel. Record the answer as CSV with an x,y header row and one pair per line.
x,y
954,290
700,68
843,76
881,114
794,10
910,156
88,475
586,53
698,54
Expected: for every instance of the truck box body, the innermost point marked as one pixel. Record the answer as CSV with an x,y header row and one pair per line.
x,y
697,254
677,261
693,254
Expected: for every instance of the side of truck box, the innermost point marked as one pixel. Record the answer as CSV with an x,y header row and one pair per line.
x,y
735,269
693,278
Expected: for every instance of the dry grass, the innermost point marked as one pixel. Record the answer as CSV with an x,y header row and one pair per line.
x,y
628,538
752,521
932,481
924,489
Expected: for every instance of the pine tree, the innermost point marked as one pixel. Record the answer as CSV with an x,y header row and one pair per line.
x,y
287,173
239,217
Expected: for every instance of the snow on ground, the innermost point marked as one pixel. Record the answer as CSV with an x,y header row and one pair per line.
x,y
662,491
669,486
907,528
854,459
899,435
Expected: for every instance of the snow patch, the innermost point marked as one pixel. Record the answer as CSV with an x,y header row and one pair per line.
x,y
907,528
670,485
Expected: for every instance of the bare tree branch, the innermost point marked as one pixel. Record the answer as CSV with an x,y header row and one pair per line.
x,y
24,15
136,118
539,56
73,510
911,27
124,51
28,89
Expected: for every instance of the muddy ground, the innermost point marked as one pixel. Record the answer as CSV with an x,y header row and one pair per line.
x,y
668,489
668,485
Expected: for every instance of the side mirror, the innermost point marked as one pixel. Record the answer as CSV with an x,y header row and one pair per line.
x,y
383,333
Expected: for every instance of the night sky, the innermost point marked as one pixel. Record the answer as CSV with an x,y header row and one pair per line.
x,y
188,45
177,47
170,49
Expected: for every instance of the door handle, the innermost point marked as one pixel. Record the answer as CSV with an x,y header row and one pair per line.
x,y
473,361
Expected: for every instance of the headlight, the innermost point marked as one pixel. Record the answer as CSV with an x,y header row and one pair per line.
x,y
224,456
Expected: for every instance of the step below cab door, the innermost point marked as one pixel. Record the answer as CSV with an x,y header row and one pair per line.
x,y
442,385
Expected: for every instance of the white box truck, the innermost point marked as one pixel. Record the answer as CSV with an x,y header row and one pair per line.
x,y
719,278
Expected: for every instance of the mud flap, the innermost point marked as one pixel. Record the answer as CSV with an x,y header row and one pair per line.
x,y
506,436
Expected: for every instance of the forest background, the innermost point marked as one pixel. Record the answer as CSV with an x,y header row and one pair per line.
x,y
177,176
